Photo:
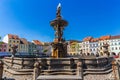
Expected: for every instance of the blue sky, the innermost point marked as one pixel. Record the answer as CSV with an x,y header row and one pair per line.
x,y
30,19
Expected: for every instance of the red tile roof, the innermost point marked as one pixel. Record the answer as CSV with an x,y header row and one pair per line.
x,y
37,42
88,38
95,40
11,36
115,37
105,37
23,40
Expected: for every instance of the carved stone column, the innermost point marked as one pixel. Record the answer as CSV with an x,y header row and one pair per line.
x,y
79,69
12,59
1,69
114,69
37,70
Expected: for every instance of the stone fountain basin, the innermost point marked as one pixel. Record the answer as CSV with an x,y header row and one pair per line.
x,y
19,63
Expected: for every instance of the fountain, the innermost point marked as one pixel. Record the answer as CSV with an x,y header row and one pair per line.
x,y
59,45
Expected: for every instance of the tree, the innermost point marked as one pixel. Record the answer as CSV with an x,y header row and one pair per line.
x,y
45,50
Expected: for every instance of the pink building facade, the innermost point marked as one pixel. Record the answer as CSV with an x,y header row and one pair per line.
x,y
3,47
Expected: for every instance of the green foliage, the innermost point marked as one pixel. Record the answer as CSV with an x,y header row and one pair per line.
x,y
45,50
1,42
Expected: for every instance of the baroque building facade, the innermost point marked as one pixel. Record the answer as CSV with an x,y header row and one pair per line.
x,y
74,47
3,47
23,46
11,40
114,43
39,46
94,46
87,46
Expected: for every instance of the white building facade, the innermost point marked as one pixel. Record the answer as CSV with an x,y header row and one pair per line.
x,y
115,44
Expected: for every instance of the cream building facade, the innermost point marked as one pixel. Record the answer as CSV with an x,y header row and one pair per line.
x,y
11,40
73,47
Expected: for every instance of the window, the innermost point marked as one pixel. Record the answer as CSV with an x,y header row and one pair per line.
x,y
115,43
90,45
4,50
96,44
90,49
83,45
17,41
0,50
112,48
119,43
14,41
9,41
103,43
86,45
116,48
4,45
9,50
111,44
10,45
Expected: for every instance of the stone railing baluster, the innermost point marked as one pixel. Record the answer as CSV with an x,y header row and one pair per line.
x,y
79,69
37,70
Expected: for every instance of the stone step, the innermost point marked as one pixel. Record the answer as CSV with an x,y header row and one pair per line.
x,y
24,70
17,73
98,70
59,77
59,73
94,72
52,70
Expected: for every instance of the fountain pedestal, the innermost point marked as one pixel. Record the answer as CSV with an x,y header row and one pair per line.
x,y
59,50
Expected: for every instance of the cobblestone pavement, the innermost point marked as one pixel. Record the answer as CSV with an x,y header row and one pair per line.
x,y
99,77
95,77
